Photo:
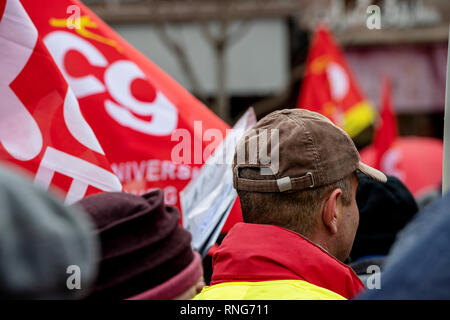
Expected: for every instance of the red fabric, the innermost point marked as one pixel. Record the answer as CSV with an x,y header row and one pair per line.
x,y
2,8
328,86
386,130
252,252
41,126
407,160
132,105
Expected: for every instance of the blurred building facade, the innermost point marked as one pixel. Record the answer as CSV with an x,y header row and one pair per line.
x,y
235,53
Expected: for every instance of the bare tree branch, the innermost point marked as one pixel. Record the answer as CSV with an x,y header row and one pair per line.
x,y
180,52
206,32
239,33
219,41
219,44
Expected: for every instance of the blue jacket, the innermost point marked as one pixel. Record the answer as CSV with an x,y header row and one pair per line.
x,y
418,265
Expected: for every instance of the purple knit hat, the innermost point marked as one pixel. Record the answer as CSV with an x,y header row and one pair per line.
x,y
146,254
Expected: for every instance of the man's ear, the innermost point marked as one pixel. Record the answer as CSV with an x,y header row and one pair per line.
x,y
330,211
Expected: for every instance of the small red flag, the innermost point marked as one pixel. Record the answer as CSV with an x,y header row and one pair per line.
x,y
386,129
329,87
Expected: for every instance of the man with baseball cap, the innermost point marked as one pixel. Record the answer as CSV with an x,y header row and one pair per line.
x,y
299,211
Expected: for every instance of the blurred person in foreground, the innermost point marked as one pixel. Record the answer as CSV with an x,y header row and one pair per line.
x,y
384,210
44,245
146,254
418,265
299,222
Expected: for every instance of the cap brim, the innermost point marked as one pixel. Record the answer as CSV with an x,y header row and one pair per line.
x,y
372,173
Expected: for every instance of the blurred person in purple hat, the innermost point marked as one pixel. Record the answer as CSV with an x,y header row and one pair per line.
x,y
145,253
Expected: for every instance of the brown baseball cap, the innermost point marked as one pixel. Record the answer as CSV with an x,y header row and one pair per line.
x,y
301,149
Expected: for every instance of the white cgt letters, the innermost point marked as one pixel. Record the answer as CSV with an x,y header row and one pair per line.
x,y
117,81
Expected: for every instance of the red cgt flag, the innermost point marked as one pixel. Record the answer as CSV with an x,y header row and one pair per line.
x,y
41,126
386,129
138,113
329,87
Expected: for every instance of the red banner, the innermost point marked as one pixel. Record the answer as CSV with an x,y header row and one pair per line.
x,y
386,129
41,125
137,112
329,87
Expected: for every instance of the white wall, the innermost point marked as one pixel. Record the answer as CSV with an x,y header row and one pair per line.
x,y
257,64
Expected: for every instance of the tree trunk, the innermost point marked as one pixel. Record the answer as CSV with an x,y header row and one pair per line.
x,y
222,97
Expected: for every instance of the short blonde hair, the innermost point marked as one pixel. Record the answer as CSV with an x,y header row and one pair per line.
x,y
296,211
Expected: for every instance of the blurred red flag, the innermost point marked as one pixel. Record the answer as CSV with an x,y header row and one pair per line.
x,y
329,87
2,8
138,113
407,159
41,126
403,157
386,128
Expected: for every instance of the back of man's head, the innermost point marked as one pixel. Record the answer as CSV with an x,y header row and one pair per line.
x,y
296,211
308,176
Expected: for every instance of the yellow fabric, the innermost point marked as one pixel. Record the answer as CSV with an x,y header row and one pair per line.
x,y
359,117
267,290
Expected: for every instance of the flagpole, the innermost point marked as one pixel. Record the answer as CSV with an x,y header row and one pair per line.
x,y
446,159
